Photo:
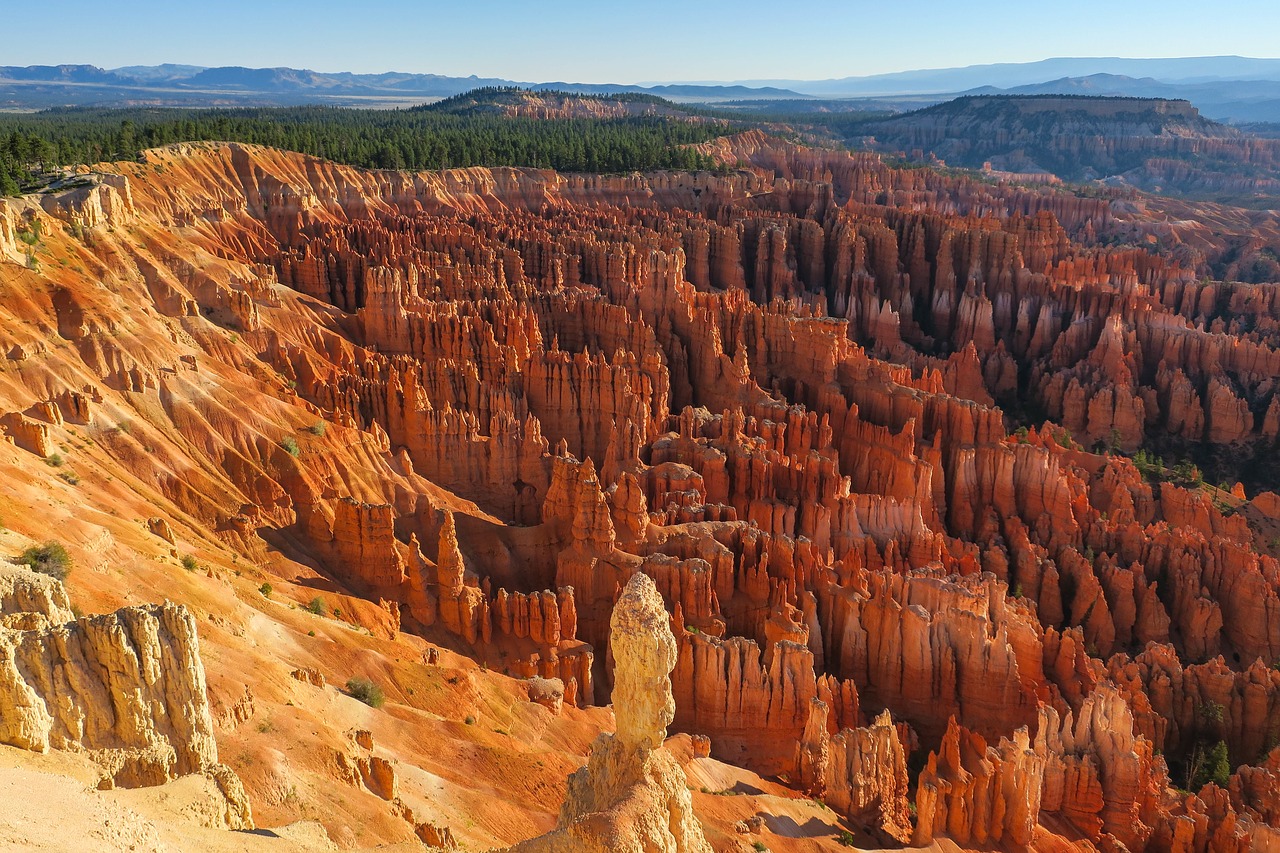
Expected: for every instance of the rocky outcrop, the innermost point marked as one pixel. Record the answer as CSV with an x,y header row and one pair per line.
x,y
632,796
364,545
754,714
31,435
1098,773
127,688
547,692
931,646
461,605
861,773
976,794
361,767
31,600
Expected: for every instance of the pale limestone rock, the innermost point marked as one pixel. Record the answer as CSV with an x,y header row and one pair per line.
x,y
547,692
644,653
29,599
237,814
126,687
632,797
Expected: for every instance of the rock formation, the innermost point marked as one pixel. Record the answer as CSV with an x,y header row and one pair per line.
x,y
30,600
632,796
792,400
979,795
862,773
126,688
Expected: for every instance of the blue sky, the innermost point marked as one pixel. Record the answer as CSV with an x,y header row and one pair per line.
x,y
629,42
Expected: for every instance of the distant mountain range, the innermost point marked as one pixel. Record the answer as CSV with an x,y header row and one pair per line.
x,y
1225,88
1187,70
43,86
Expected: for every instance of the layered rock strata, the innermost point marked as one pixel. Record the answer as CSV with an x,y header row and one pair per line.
x,y
872,433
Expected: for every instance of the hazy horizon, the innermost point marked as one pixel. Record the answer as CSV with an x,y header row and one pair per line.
x,y
664,41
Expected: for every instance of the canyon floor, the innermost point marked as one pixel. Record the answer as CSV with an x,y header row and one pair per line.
x,y
957,496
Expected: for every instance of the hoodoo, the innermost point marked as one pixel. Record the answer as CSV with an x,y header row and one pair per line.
x,y
632,795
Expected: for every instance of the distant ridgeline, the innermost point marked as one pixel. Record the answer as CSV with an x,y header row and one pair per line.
x,y
587,135
1156,144
498,96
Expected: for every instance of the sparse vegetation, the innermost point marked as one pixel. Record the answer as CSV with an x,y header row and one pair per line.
x,y
1208,765
1186,474
1211,711
266,589
189,562
290,446
317,606
366,691
846,839
50,559
318,428
54,460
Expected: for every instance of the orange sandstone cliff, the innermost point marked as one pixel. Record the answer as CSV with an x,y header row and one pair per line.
x,y
901,474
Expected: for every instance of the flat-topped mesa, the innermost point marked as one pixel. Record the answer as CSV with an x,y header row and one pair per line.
x,y
631,796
